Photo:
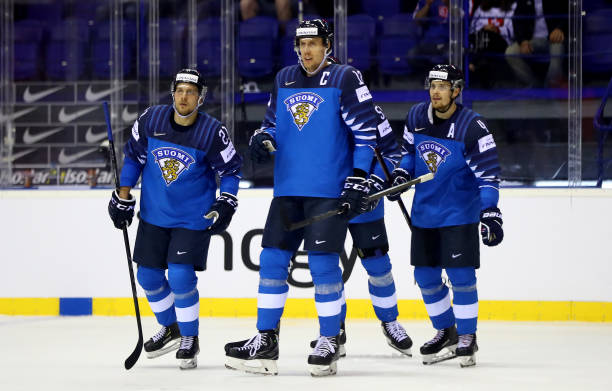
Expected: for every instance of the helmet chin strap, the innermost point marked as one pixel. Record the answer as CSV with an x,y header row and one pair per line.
x,y
200,103
327,53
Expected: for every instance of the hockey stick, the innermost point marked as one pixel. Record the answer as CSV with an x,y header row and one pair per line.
x,y
131,360
399,188
385,169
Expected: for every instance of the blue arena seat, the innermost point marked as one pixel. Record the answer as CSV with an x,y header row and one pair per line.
x,y
400,34
360,31
596,50
257,42
66,52
101,49
171,48
48,13
209,47
381,10
28,44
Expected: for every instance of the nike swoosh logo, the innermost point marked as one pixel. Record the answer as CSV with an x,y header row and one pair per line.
x,y
376,237
91,137
15,115
126,116
158,134
288,83
29,138
181,252
456,255
418,129
65,118
17,155
67,159
29,97
320,241
91,96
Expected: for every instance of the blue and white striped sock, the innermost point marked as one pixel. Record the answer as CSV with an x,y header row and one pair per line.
x,y
159,295
273,288
381,287
465,298
183,282
436,296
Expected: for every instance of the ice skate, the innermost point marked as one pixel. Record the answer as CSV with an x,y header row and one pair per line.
x,y
323,359
166,340
397,337
466,350
256,355
188,352
341,341
433,350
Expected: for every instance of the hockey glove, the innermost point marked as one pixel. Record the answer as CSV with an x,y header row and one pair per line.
x,y
121,211
399,176
376,184
222,210
491,226
354,196
260,152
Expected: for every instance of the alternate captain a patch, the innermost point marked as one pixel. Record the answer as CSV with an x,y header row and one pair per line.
x,y
172,162
433,154
301,106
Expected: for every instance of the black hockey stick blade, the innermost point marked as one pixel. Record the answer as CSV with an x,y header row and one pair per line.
x,y
314,219
401,188
131,360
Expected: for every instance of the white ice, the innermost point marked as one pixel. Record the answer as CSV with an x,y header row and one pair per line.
x,y
87,353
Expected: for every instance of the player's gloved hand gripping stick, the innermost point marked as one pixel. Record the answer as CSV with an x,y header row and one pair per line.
x,y
385,169
373,197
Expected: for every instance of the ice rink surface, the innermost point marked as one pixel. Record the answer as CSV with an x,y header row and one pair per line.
x,y
87,353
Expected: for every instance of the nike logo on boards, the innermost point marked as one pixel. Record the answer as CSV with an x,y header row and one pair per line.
x,y
126,116
15,156
91,96
30,97
65,158
91,137
69,117
288,83
29,138
15,115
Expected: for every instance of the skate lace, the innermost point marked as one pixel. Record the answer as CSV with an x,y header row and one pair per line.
x,y
160,334
465,340
437,338
396,331
254,344
187,342
325,346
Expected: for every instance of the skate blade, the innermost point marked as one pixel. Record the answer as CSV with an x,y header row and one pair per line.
x,y
404,352
323,370
449,354
467,361
174,345
189,363
259,367
342,351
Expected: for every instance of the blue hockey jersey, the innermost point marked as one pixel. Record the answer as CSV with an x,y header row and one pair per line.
x,y
462,155
179,165
324,126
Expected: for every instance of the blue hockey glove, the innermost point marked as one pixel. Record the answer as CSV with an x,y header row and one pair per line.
x,y
354,196
222,210
491,226
399,176
121,211
376,184
259,146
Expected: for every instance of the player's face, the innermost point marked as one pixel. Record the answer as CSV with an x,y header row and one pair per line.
x,y
440,94
312,52
186,98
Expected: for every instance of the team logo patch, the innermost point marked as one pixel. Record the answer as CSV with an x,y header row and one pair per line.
x,y
433,154
172,162
301,106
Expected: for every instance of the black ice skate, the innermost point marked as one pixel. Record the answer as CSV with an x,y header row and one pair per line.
x,y
432,351
166,340
322,360
188,352
397,337
466,350
256,355
341,341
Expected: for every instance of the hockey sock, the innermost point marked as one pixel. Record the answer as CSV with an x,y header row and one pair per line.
x,y
343,306
436,296
327,278
273,288
465,298
183,282
159,295
381,287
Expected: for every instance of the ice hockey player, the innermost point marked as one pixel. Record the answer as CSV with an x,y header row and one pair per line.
x,y
179,151
455,144
322,123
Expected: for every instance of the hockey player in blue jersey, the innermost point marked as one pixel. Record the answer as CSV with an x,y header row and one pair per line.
x,y
322,123
179,151
455,144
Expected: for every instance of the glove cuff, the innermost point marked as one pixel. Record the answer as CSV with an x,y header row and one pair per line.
x,y
128,201
229,199
491,213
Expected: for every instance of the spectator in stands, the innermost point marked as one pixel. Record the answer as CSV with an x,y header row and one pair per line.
x,y
538,28
491,32
433,15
